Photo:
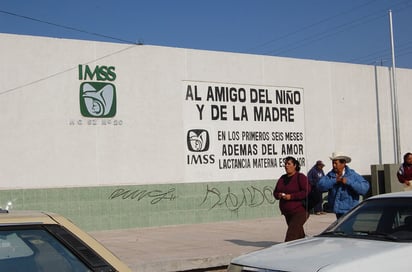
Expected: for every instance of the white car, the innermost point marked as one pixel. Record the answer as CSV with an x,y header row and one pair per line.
x,y
374,236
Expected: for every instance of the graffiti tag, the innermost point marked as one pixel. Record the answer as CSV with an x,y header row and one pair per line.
x,y
155,195
249,197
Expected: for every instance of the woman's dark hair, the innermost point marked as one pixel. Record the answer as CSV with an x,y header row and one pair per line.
x,y
294,161
406,156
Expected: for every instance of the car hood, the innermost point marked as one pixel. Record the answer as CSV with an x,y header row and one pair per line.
x,y
331,254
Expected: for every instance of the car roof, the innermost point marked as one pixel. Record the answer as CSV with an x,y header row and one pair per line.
x,y
392,195
26,217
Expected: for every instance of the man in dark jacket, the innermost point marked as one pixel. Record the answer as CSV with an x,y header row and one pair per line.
x,y
314,175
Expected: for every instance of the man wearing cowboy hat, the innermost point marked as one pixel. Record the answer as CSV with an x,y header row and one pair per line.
x,y
343,184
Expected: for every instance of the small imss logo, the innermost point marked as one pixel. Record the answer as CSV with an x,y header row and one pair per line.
x,y
97,98
198,140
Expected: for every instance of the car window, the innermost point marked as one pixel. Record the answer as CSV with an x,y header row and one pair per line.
x,y
378,219
403,220
367,221
35,249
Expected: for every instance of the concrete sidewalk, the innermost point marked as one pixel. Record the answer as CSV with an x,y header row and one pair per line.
x,y
199,246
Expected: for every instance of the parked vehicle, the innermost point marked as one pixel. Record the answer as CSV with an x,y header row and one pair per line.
x,y
38,241
376,235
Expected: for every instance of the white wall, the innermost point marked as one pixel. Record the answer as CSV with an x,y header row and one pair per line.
x,y
46,142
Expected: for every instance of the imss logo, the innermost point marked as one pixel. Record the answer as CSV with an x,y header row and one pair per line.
x,y
97,97
198,142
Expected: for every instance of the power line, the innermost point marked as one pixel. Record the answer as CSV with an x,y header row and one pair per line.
x,y
385,53
66,27
334,30
322,35
63,71
401,50
310,26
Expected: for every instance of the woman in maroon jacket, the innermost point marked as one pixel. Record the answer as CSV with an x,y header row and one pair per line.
x,y
291,190
405,170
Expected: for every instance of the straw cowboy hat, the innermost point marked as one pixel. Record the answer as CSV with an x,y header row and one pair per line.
x,y
340,156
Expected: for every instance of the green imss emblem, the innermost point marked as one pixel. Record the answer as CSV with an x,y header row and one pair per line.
x,y
97,99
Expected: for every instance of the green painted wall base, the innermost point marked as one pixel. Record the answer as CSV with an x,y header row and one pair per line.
x,y
122,207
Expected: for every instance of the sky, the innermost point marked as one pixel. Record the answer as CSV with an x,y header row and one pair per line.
x,y
353,31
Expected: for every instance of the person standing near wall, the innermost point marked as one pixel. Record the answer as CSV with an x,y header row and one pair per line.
x,y
405,171
291,190
343,184
314,175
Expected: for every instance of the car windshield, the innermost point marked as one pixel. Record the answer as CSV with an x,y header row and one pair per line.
x,y
35,249
382,219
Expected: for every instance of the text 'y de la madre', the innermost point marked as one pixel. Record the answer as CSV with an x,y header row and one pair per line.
x,y
225,103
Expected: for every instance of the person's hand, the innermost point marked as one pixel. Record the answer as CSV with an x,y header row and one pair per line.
x,y
407,182
340,179
285,196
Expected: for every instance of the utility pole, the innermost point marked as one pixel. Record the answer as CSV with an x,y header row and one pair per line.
x,y
394,98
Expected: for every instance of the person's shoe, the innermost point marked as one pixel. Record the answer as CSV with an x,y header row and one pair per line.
x,y
318,213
